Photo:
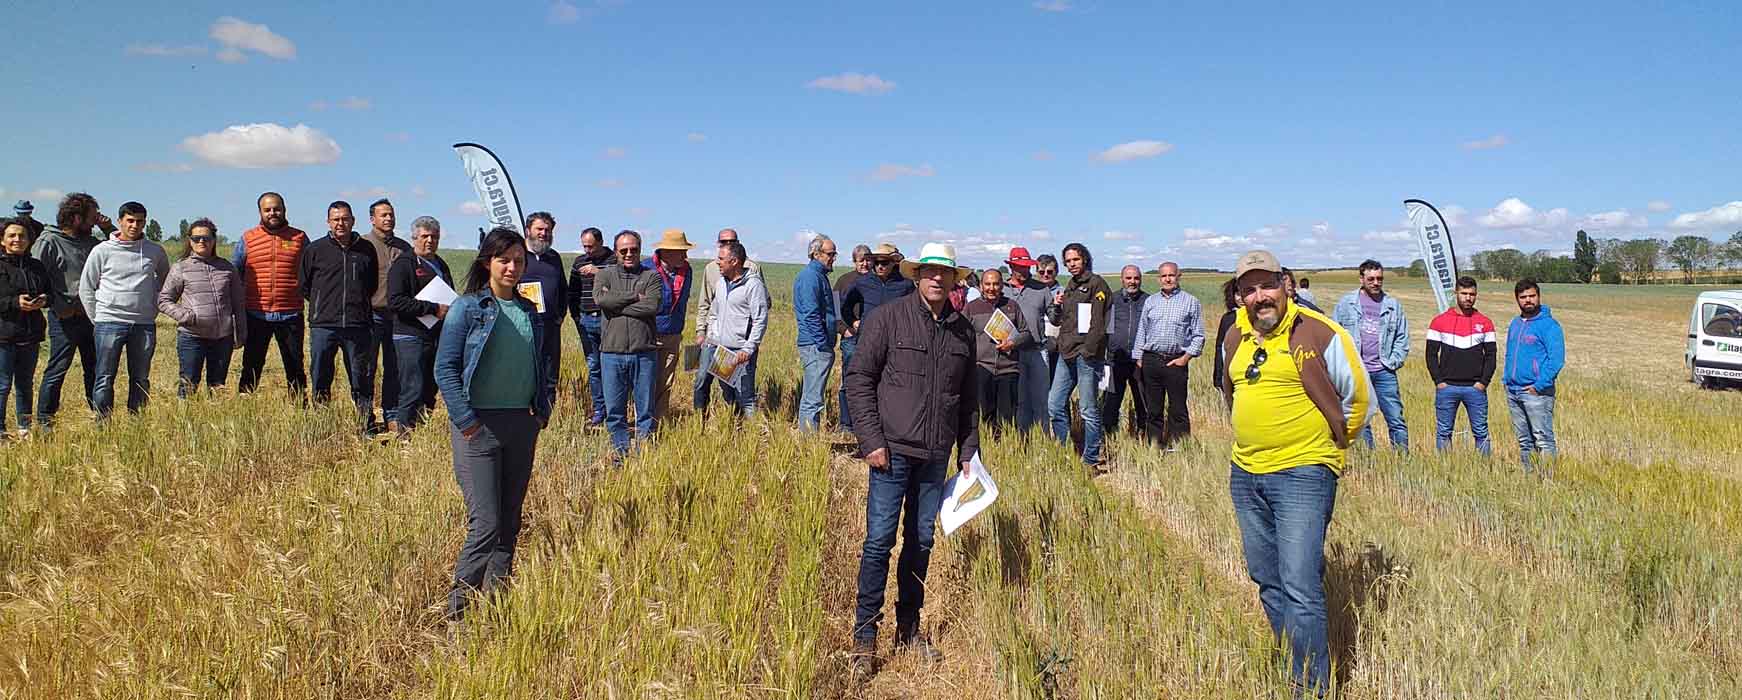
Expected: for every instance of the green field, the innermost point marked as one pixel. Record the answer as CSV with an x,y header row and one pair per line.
x,y
241,547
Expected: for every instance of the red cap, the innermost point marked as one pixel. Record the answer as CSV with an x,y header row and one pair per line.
x,y
1019,258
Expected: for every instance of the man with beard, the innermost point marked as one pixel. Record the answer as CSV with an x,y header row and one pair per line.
x,y
388,249
1300,393
268,258
1082,353
595,255
63,250
1535,353
544,266
1377,320
1460,359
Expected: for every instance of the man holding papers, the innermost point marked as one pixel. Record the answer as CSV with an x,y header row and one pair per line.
x,y
911,388
737,320
1003,335
419,290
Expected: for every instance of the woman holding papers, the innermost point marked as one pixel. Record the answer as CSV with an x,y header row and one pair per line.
x,y
419,290
203,293
1002,335
498,395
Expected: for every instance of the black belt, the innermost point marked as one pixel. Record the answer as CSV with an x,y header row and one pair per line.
x,y
1166,357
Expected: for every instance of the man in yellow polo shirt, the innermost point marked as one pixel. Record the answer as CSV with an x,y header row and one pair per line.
x,y
1299,392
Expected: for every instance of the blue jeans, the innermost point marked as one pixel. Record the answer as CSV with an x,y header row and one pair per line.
x,y
66,337
381,343
588,329
741,396
139,340
1033,388
417,388
909,491
201,355
848,347
1532,421
1475,402
17,369
1084,375
626,375
1391,406
817,361
354,341
1282,517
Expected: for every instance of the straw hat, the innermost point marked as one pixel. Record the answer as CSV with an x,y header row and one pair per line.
x,y
673,239
885,250
935,254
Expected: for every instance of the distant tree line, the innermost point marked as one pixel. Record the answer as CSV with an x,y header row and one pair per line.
x,y
1608,261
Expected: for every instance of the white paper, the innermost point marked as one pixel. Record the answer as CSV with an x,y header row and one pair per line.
x,y
439,293
955,511
1106,377
1052,330
533,292
1083,311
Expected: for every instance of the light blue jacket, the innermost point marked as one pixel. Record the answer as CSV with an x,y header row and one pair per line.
x,y
1393,327
813,306
1535,352
464,331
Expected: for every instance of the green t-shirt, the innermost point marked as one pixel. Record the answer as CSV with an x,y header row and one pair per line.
x,y
505,376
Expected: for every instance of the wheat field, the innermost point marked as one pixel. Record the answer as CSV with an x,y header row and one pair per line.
x,y
243,547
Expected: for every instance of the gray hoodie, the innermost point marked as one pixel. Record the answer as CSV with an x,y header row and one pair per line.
x,y
64,255
121,281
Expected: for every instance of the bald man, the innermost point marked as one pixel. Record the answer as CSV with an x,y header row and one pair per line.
x,y
1122,319
705,310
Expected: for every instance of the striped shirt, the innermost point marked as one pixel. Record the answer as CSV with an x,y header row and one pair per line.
x,y
1171,324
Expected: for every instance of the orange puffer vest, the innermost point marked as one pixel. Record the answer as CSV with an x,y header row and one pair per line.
x,y
269,278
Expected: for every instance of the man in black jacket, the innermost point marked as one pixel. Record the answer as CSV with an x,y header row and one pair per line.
x,y
912,389
338,279
595,255
414,342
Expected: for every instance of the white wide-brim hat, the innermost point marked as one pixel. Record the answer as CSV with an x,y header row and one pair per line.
x,y
937,254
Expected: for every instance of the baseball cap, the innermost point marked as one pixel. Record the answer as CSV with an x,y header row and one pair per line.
x,y
1257,260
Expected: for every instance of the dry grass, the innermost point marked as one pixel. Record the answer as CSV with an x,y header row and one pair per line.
x,y
240,547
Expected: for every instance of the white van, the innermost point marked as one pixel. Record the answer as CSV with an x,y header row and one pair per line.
x,y
1714,355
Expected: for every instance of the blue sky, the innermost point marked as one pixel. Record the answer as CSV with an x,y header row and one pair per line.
x,y
1147,132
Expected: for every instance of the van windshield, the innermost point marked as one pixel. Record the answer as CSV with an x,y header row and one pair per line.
x,y
1721,320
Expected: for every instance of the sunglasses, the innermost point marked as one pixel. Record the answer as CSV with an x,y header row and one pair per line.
x,y
200,239
628,251
1258,359
1045,273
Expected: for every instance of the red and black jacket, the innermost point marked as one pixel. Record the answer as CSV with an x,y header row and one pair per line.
x,y
1461,350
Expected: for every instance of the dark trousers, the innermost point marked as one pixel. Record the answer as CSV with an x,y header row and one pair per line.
x,y
848,346
17,370
493,469
261,332
1164,391
909,492
1124,376
196,356
381,342
997,397
417,389
66,336
354,341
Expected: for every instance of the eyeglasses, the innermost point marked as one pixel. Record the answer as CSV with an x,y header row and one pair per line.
x,y
1258,358
1045,273
724,241
200,239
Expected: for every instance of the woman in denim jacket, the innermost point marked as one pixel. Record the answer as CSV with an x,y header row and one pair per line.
x,y
498,397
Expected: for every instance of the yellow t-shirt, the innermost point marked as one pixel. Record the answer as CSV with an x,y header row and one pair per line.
x,y
1275,425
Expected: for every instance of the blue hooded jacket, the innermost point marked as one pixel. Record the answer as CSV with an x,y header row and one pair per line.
x,y
1535,352
673,303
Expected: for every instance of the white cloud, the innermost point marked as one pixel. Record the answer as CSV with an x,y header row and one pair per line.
x,y
1206,239
471,208
855,83
614,152
165,50
696,137
1613,220
1040,234
1723,216
353,103
1132,150
238,36
1487,144
371,193
1119,236
562,12
39,197
893,171
1322,228
609,182
1514,213
1657,206
263,146
1052,5
163,168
